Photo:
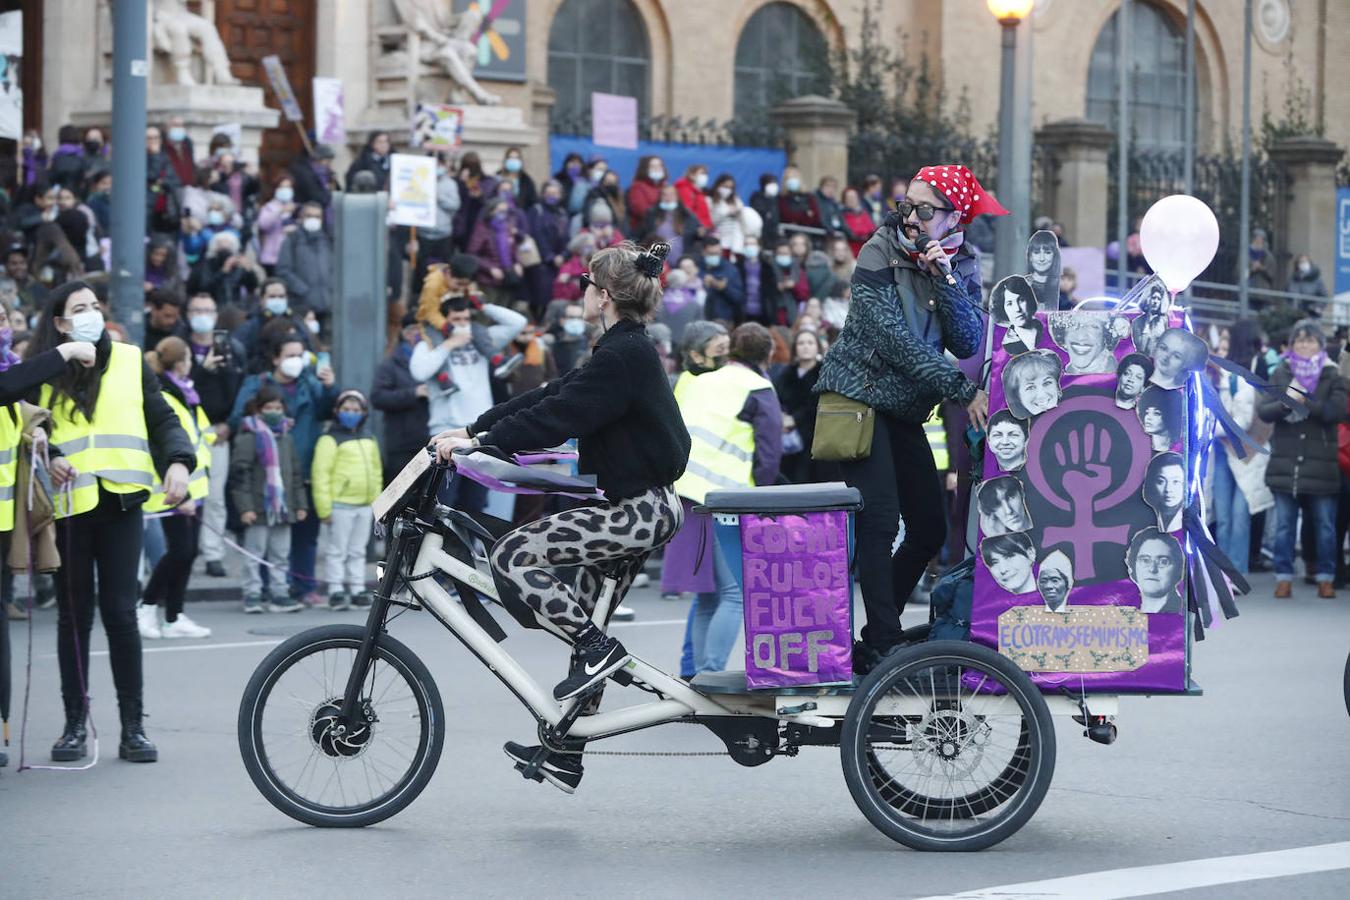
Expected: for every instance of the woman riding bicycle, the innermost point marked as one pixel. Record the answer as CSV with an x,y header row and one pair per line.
x,y
631,437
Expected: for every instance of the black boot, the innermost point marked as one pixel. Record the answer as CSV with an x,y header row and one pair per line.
x,y
70,746
135,746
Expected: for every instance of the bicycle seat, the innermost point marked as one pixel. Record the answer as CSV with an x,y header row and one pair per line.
x,y
784,498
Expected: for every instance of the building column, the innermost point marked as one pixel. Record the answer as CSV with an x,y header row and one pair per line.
x,y
817,130
1309,225
1077,194
542,99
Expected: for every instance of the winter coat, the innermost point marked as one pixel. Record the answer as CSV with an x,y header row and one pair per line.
x,y
890,353
694,200
367,161
682,222
726,303
306,265
346,470
643,194
799,209
858,227
308,403
767,207
272,223
1303,453
548,227
394,393
247,478
1310,288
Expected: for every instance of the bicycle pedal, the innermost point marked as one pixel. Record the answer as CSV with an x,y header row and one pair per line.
x,y
521,768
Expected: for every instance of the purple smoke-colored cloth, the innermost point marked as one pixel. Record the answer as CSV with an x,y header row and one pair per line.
x,y
501,238
1306,371
7,355
678,574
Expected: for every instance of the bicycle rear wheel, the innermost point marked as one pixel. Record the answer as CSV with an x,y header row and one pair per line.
x,y
948,746
309,767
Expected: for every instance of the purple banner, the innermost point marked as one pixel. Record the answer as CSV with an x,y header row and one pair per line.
x,y
798,599
1080,507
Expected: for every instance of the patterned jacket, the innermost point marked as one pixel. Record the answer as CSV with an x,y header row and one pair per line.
x,y
890,353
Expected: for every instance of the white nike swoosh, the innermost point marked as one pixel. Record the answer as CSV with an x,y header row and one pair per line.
x,y
590,671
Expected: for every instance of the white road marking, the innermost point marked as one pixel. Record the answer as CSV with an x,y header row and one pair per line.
x,y
178,648
1145,881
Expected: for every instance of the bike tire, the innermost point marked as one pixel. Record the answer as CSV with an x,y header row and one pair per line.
x,y
389,651
859,764
977,803
1347,685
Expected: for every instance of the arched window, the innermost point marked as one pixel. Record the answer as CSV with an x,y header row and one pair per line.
x,y
597,45
1157,79
781,54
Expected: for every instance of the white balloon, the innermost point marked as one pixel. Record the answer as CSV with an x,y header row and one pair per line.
x,y
1179,237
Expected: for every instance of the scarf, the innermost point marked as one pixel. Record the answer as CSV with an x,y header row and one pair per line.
x,y
501,238
185,386
274,489
1306,372
951,243
7,355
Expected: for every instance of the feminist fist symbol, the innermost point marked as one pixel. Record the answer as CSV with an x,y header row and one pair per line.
x,y
1086,475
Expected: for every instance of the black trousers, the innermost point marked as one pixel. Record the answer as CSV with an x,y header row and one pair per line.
x,y
107,541
899,479
168,583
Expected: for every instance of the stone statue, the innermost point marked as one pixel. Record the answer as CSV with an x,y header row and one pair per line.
x,y
174,29
449,43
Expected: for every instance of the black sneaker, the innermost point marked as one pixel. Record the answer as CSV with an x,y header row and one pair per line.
x,y
562,770
592,667
215,569
253,604
284,604
362,600
338,601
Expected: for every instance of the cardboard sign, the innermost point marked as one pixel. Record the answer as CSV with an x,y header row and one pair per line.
x,y
798,599
281,86
438,126
330,123
614,121
412,190
1080,639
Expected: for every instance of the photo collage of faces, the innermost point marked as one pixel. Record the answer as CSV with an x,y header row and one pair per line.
x,y
1151,370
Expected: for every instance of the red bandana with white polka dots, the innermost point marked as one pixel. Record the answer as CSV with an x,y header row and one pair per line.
x,y
963,192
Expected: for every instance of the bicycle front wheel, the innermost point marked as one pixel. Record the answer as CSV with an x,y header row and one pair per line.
x,y
319,773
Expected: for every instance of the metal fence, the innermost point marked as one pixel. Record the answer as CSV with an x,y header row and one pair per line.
x,y
680,130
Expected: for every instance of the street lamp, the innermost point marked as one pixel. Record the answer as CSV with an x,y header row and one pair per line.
x,y
1010,14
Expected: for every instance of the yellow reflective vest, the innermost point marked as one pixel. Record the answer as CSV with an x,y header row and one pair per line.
x,y
202,436
937,440
11,428
114,449
722,446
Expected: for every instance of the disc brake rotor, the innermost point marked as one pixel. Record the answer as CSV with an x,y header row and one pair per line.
x,y
336,741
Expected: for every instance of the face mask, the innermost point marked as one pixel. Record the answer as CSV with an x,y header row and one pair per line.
x,y
312,224
1304,268
177,133
550,200
874,195
656,173
272,418
574,327
86,326
202,322
37,145
463,329
215,217
668,205
574,169
771,189
724,192
312,325
712,260
349,419
793,185
750,250
783,260
701,180
292,366
276,305
93,147
285,194
513,165
597,174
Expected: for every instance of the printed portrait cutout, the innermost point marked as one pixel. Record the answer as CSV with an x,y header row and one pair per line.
x,y
1007,439
1003,507
1176,355
1090,339
1155,304
1165,489
1010,559
1055,580
1132,376
1031,383
1155,564
1043,266
1160,413
1013,305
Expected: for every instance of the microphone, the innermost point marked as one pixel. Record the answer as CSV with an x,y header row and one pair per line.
x,y
921,244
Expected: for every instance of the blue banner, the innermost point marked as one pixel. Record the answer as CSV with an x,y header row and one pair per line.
x,y
745,164
1342,240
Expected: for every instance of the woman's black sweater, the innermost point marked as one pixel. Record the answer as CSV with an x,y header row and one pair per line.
x,y
619,406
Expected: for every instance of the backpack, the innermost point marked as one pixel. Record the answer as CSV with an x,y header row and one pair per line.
x,y
951,602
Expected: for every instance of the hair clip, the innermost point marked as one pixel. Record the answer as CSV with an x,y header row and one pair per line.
x,y
652,261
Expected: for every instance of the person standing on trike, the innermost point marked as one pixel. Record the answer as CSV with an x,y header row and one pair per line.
x,y
915,294
630,435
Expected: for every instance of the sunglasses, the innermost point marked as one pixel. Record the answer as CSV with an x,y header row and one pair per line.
x,y
587,282
926,211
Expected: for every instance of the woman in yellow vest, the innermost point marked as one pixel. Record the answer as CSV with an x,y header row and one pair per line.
x,y
736,441
112,434
172,360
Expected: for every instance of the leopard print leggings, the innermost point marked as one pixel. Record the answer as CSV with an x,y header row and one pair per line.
x,y
611,538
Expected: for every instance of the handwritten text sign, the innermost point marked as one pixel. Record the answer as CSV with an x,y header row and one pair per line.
x,y
798,628
1081,639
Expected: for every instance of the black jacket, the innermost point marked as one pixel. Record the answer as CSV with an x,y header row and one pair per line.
x,y
18,381
217,389
1303,454
618,405
394,393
